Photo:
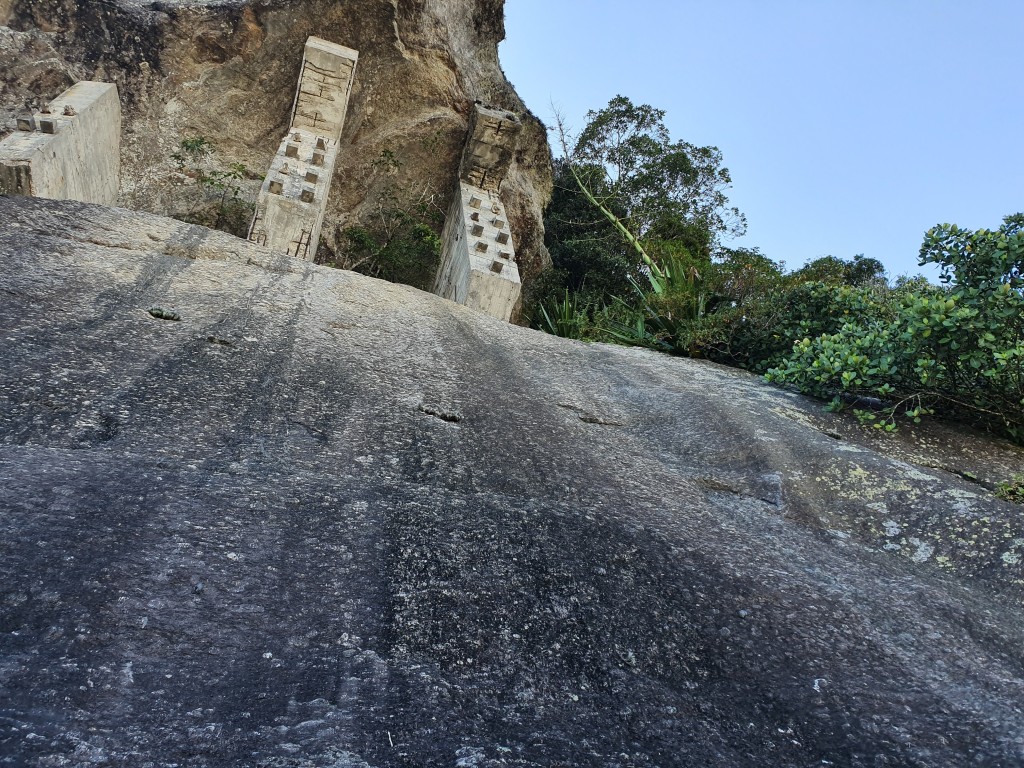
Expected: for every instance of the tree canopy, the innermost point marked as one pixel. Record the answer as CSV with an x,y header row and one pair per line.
x,y
666,189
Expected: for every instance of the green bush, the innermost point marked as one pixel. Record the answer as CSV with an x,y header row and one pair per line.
x,y
567,318
956,351
399,241
1012,490
775,319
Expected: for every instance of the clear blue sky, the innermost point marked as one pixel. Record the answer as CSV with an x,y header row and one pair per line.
x,y
848,127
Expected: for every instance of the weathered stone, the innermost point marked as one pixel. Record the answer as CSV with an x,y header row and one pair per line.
x,y
328,521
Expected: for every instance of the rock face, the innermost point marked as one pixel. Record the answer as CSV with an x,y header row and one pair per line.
x,y
226,71
257,512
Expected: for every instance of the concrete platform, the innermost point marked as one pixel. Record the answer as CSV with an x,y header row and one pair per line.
x,y
71,150
292,201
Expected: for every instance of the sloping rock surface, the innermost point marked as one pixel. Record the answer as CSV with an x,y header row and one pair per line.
x,y
311,523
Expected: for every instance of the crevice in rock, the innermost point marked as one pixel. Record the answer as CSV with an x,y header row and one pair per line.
x,y
590,418
452,417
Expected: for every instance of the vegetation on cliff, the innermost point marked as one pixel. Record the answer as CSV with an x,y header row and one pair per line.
x,y
214,196
636,229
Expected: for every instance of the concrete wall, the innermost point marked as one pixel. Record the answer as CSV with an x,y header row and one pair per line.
x,y
291,204
325,84
478,265
490,146
69,151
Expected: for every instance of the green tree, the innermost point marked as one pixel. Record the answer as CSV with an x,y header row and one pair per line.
x,y
216,197
590,256
860,270
667,190
632,210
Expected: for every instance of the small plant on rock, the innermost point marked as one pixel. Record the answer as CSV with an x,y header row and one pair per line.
x,y
1012,490
218,200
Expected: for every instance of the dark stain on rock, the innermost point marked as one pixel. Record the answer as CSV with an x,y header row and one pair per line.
x,y
452,417
163,314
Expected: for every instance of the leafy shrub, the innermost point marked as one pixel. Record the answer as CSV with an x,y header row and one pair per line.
x,y
566,318
401,247
957,351
1012,490
399,242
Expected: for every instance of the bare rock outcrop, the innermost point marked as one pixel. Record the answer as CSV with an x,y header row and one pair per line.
x,y
226,71
258,512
